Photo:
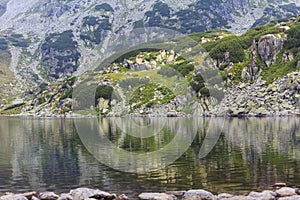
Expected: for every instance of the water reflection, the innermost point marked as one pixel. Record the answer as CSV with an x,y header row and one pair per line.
x,y
40,154
134,154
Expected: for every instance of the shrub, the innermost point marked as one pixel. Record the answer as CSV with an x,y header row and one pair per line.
x,y
105,7
104,92
293,41
231,44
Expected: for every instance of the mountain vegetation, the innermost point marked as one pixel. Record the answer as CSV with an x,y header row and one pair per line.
x,y
46,46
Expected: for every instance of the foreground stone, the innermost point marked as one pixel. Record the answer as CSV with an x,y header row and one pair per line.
x,y
290,198
77,194
86,193
156,196
284,193
265,195
13,197
199,195
48,196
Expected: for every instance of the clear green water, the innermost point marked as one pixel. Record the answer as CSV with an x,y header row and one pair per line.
x,y
249,154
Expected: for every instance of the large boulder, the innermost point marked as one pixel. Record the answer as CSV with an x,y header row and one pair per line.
x,y
85,193
156,196
286,191
268,47
199,195
265,195
48,196
13,197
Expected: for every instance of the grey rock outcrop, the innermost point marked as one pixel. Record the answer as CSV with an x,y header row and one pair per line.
x,y
251,71
257,99
268,47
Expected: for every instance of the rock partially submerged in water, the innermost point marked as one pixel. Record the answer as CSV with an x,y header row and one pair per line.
x,y
265,195
86,193
199,195
284,193
156,196
77,194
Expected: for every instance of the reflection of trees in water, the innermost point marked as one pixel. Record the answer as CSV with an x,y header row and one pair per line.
x,y
253,152
250,153
261,134
42,152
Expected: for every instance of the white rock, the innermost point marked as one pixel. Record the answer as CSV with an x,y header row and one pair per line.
x,y
48,196
286,191
156,196
199,195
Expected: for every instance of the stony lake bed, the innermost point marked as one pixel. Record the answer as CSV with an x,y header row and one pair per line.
x,y
281,193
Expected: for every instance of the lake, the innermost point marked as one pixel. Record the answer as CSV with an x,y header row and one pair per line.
x,y
118,155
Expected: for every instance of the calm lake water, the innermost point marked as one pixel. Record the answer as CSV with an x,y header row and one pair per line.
x,y
60,154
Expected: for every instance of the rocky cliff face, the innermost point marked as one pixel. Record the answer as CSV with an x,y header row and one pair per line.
x,y
60,57
252,70
268,48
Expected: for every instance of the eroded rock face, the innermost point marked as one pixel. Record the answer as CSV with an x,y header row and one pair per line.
x,y
251,71
268,47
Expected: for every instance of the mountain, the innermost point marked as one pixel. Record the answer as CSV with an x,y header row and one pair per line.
x,y
45,42
207,73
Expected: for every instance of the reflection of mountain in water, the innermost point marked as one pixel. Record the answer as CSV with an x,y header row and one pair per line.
x,y
250,153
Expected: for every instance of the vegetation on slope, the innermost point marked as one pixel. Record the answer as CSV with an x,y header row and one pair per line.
x,y
150,77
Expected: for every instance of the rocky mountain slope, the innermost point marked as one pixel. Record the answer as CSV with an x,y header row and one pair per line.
x,y
83,27
256,73
45,43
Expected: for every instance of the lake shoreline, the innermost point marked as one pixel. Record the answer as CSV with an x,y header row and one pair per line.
x,y
279,192
75,116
